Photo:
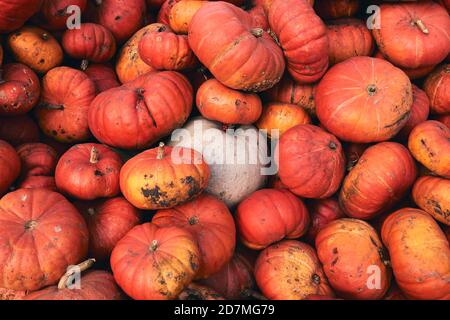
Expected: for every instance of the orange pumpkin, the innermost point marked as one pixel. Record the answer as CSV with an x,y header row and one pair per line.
x,y
256,9
354,259
9,166
412,73
19,130
437,87
164,11
54,14
181,14
38,182
322,213
420,254
333,9
103,77
38,159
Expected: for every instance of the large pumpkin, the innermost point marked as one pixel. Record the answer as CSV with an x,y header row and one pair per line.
x,y
238,54
181,13
413,35
141,112
62,112
270,215
19,130
303,37
354,259
380,179
212,226
9,166
429,143
420,254
103,76
48,235
322,212
290,270
364,100
333,9
13,14
437,87
152,263
54,14
311,161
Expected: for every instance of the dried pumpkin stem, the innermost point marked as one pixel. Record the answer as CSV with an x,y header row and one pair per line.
x,y
94,155
98,2
160,154
84,64
154,245
257,32
62,284
91,211
419,23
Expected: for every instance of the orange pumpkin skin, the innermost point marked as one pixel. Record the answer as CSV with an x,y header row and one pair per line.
x,y
19,130
108,221
54,14
356,98
182,175
152,263
13,14
429,143
11,295
445,119
256,9
9,166
348,38
420,254
301,33
311,162
139,113
413,35
88,172
437,87
432,194
412,73
49,235
270,215
212,226
220,103
333,9
38,182
19,89
380,179
349,266
164,11
91,42
282,117
322,213
239,55
103,77
62,112
181,14
162,49
290,270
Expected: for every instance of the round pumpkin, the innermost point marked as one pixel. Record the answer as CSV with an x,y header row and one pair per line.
x,y
62,112
413,35
139,113
103,77
9,166
364,100
270,215
219,103
49,235
420,254
354,259
54,14
311,161
333,9
239,55
19,89
322,213
429,143
88,172
18,130
13,14
37,159
211,225
303,37
380,179
437,87
181,13
152,263
290,270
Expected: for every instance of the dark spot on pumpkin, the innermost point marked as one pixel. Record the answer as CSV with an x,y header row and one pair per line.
x,y
194,187
332,145
333,263
98,173
335,251
54,132
237,102
117,18
156,196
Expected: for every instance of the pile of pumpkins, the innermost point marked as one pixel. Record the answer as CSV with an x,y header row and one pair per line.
x,y
97,178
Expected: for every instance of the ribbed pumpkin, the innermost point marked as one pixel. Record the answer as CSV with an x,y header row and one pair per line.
x,y
181,13
322,212
19,130
13,14
38,160
103,77
9,166
54,14
437,87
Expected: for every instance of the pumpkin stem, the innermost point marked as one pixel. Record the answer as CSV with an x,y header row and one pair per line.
x,y
45,36
249,293
91,211
49,106
274,37
332,145
62,284
372,89
30,225
94,155
257,32
160,154
193,220
154,245
98,2
419,23
84,64
316,279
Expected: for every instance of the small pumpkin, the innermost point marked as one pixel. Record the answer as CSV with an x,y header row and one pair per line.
x,y
437,87
333,9
18,130
103,76
322,213
10,166
54,14
14,14
181,13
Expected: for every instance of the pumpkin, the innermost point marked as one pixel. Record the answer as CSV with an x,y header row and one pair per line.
x,y
9,166
91,42
238,54
311,161
62,112
211,225
108,221
18,130
353,152
13,14
303,37
11,295
256,9
181,176
364,100
141,112
164,11
88,172
38,182
445,119
35,48
219,103
333,9
103,77
420,254
199,292
282,117
38,159
437,87
290,270
54,14
236,173
152,263
429,143
354,259
162,49
94,285
420,111
413,35
322,213
181,13
348,38
49,235
380,179
19,89
432,194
